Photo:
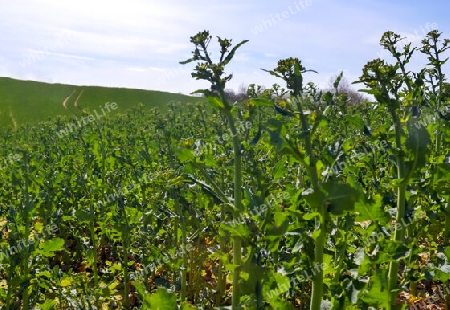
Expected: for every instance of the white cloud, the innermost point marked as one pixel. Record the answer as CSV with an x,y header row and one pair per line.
x,y
138,43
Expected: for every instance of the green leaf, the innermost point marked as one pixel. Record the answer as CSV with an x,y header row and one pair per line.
x,y
279,218
340,198
256,138
233,50
310,216
185,155
271,72
207,189
447,252
338,80
279,170
276,288
378,295
216,102
370,209
282,111
235,229
418,142
328,97
314,199
83,216
261,102
50,246
354,120
187,61
186,306
201,91
48,305
162,299
275,139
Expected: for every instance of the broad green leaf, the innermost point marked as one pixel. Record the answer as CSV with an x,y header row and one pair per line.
x,y
163,299
261,102
281,285
314,199
371,209
50,246
48,305
340,198
216,102
279,218
235,228
378,294
185,155
354,120
447,252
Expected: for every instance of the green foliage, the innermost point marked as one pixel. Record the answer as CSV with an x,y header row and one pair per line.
x,y
145,203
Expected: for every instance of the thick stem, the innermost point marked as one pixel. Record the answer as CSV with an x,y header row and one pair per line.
x,y
185,259
317,284
125,247
94,253
447,226
399,235
26,253
237,208
221,276
126,293
445,289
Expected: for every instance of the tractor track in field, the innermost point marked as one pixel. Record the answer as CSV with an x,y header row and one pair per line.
x,y
75,104
67,98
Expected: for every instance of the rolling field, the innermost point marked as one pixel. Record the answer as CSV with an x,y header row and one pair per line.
x,y
28,102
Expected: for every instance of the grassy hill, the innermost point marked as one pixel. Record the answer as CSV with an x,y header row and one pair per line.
x,y
31,102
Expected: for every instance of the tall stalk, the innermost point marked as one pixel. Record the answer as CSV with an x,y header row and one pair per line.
x,y
212,72
125,250
389,41
385,83
221,278
317,283
26,216
94,250
181,218
290,70
399,235
237,180
433,51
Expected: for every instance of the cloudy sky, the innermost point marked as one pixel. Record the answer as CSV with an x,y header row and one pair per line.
x,y
138,43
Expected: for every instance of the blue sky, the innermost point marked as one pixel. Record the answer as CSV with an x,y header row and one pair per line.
x,y
138,43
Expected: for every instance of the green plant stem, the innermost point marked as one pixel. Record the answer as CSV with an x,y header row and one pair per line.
x,y
317,284
94,252
237,251
399,235
221,276
26,253
185,259
445,289
125,248
447,226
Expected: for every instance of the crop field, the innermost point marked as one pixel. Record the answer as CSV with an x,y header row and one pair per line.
x,y
28,102
292,197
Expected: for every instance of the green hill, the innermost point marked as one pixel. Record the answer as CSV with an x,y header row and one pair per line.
x,y
31,102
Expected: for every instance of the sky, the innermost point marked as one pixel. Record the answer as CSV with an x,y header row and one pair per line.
x,y
139,43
